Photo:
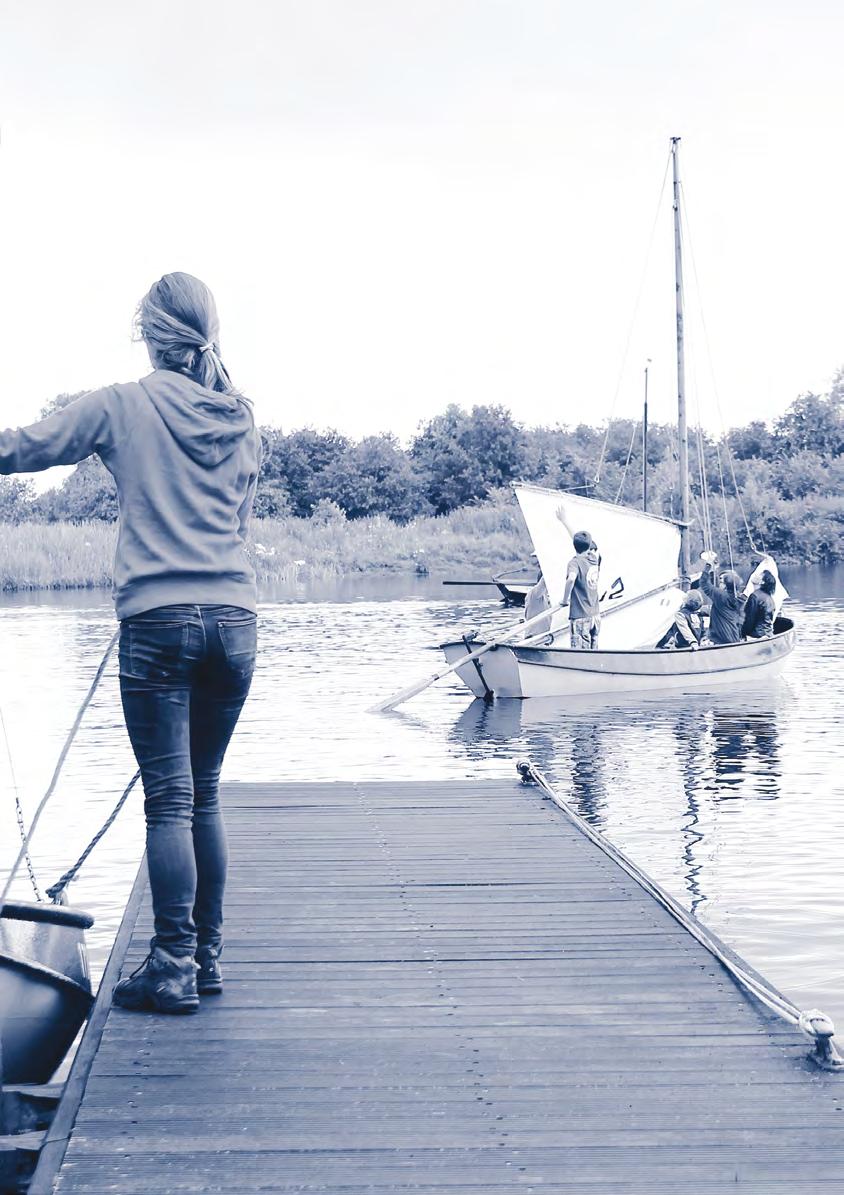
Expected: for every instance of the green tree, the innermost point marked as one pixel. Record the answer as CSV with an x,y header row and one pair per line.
x,y
754,440
463,456
295,462
60,402
375,476
16,498
813,422
88,493
272,500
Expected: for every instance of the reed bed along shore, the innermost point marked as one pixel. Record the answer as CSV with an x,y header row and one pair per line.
x,y
473,542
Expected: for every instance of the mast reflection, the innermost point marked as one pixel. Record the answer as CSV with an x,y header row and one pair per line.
x,y
727,747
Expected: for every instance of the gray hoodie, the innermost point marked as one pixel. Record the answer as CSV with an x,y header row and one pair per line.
x,y
185,461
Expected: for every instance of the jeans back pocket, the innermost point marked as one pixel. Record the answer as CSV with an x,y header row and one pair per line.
x,y
155,649
239,638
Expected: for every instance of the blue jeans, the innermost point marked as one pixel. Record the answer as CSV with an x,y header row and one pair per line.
x,y
185,672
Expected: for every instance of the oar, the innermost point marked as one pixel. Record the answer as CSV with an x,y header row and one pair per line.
x,y
458,582
610,610
421,685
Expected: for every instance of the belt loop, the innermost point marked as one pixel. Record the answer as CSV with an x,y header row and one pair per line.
x,y
198,609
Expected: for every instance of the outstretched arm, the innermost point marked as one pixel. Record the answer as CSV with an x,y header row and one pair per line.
x,y
77,431
707,582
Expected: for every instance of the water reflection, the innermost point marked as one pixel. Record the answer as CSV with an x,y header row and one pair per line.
x,y
725,747
745,748
725,741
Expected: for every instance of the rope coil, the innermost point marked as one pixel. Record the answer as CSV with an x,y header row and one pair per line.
x,y
814,1024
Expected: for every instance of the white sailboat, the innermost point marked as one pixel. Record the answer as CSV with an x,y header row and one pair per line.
x,y
644,573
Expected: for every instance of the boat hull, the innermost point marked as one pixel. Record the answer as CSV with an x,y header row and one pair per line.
x,y
561,672
45,989
495,671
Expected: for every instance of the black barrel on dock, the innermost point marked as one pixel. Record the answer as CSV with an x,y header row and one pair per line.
x,y
45,988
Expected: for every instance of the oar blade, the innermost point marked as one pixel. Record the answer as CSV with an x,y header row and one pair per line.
x,y
383,707
399,698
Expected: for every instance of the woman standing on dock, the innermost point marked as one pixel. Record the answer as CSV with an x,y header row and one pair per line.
x,y
184,451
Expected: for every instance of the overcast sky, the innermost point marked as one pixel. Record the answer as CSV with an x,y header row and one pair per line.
x,y
405,203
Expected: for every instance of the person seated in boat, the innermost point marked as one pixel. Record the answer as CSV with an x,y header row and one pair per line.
x,y
726,611
581,592
686,631
537,601
759,612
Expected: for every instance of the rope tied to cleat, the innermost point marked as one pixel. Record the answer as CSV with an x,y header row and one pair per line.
x,y
812,1023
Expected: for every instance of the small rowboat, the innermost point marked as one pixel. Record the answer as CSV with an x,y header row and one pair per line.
x,y
515,583
45,987
562,672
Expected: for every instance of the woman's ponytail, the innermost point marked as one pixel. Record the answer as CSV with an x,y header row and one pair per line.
x,y
178,320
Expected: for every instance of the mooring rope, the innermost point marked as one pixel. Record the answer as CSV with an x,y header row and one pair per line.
x,y
23,852
814,1024
55,890
19,811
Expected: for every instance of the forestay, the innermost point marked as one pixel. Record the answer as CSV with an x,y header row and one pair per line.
x,y
639,553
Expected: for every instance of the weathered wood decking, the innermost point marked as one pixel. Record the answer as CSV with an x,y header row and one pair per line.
x,y
446,988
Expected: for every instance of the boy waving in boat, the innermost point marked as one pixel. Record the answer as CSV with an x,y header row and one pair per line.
x,y
582,593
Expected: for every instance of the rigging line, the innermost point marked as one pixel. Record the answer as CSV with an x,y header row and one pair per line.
x,y
58,768
704,490
19,810
698,516
706,341
675,456
705,511
626,463
632,321
705,484
724,500
706,526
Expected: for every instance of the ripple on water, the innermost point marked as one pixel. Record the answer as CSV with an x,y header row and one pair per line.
x,y
732,800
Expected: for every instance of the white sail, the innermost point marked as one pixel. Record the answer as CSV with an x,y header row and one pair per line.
x,y
639,553
755,578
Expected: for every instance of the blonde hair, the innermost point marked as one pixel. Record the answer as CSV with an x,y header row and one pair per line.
x,y
178,320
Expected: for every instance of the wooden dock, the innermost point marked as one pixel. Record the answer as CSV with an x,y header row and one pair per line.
x,y
441,988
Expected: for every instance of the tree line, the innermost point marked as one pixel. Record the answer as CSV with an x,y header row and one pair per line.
x,y
779,487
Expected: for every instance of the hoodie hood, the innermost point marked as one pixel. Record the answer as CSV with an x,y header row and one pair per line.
x,y
207,425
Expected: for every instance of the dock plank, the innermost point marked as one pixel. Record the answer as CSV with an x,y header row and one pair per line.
x,y
444,988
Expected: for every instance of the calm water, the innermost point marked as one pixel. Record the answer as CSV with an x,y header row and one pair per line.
x,y
732,800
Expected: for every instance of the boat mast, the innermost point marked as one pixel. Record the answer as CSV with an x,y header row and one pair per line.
x,y
682,429
645,445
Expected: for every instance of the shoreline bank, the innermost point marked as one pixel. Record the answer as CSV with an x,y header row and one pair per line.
x,y
473,541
